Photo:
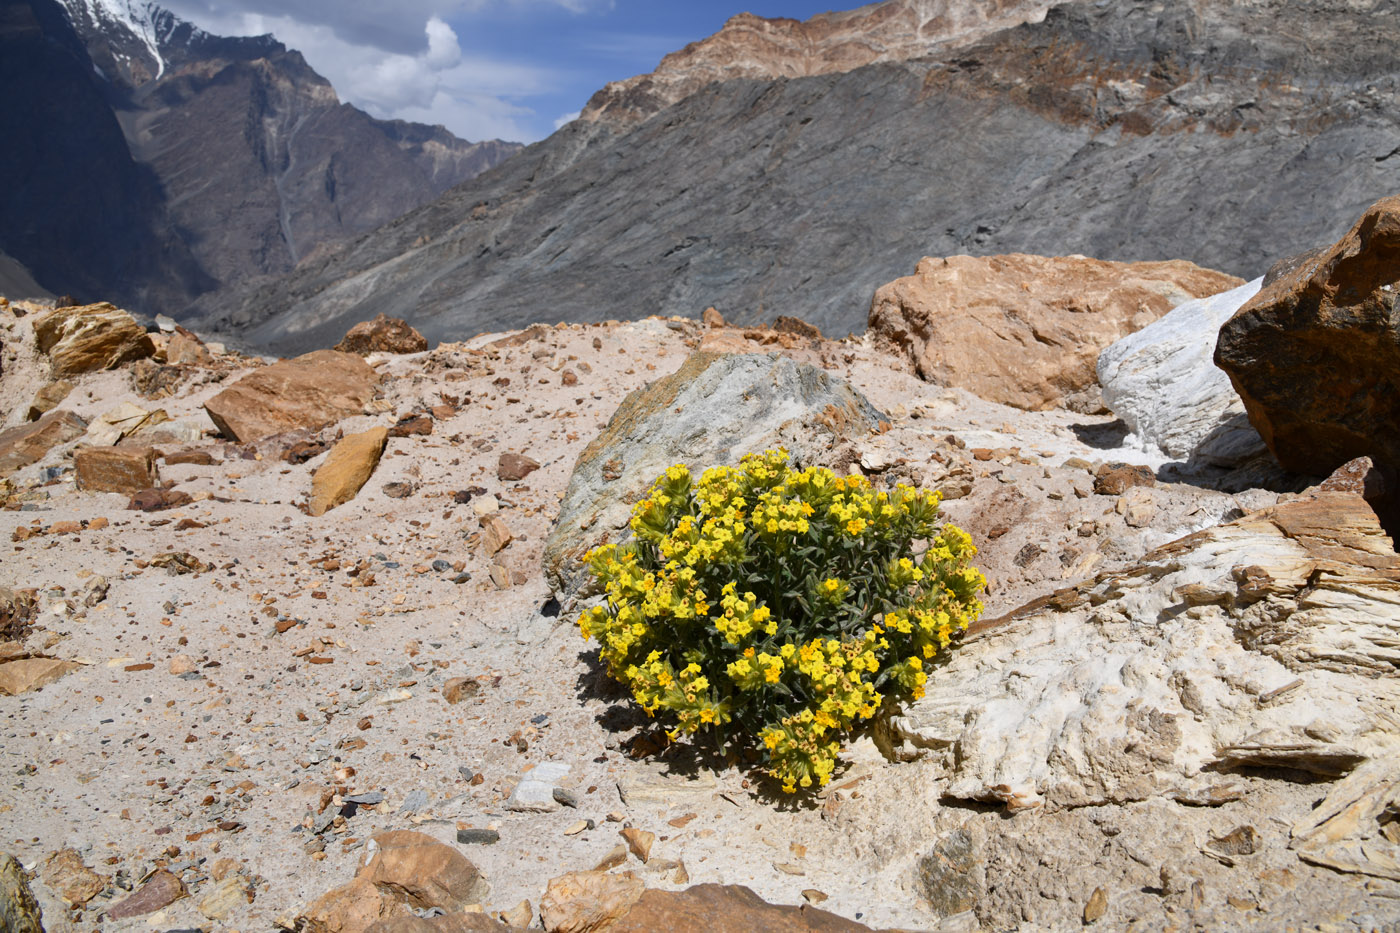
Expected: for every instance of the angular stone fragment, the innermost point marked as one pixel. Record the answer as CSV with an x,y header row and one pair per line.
x,y
584,901
349,466
21,446
1316,355
160,890
709,412
1353,829
27,674
1114,479
124,420
1026,330
19,910
310,391
67,876
184,347
88,338
422,872
513,467
495,534
953,874
384,334
47,399
126,470
158,500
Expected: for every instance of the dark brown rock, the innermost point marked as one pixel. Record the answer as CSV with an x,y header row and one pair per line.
x,y
310,391
21,446
193,456
412,425
1360,477
1113,479
384,334
302,451
116,469
1316,354
513,467
158,500
161,890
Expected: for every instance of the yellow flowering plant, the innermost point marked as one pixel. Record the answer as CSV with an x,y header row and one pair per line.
x,y
776,608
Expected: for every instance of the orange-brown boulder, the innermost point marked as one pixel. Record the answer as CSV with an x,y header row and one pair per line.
x,y
1026,330
348,467
26,444
88,338
310,391
1315,356
116,469
384,334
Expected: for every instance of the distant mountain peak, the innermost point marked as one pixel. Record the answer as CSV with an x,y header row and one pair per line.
x,y
750,46
134,27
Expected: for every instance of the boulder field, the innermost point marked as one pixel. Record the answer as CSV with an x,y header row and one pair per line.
x,y
323,675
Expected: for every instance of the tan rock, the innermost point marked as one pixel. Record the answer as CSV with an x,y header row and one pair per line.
x,y
584,901
48,398
89,338
458,689
116,469
348,467
27,674
1026,330
384,334
718,908
184,347
351,908
225,897
639,841
310,391
19,910
67,876
181,664
424,873
21,446
495,535
712,317
124,420
442,923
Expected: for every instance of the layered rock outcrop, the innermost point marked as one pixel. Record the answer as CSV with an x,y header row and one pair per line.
x,y
1026,330
1266,642
1316,355
1164,384
89,338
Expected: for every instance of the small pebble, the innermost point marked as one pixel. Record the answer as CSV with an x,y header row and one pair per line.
x,y
478,837
565,796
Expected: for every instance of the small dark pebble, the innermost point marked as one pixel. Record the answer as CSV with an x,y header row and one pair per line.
x,y
540,720
566,797
441,566
466,773
370,798
391,565
478,837
461,578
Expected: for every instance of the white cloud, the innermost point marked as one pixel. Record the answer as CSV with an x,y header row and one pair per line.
x,y
443,50
567,119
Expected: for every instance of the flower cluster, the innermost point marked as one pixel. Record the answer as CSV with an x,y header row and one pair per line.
x,y
778,607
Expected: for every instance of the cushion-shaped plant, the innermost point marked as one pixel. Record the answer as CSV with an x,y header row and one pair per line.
x,y
776,607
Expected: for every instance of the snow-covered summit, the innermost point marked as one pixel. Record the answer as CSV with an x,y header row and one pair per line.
x,y
132,26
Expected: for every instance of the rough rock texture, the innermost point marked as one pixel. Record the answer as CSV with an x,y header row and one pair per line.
x,y
91,337
47,399
1316,355
19,911
582,901
726,909
800,196
126,470
763,49
310,391
1026,330
1267,642
384,334
348,467
28,674
709,412
26,444
1164,384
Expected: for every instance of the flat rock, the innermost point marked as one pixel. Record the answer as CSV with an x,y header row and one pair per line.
x,y
126,419
88,338
68,877
667,790
711,411
1316,354
309,391
535,792
422,872
384,334
721,908
28,674
1026,330
1165,386
348,467
1267,642
160,890
127,470
26,444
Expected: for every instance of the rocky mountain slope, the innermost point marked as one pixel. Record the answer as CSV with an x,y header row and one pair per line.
x,y
1226,134
246,150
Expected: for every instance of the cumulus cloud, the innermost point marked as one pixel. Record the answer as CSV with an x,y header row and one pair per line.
x,y
443,50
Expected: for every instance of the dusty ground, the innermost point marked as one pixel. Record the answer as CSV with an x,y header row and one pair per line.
x,y
135,766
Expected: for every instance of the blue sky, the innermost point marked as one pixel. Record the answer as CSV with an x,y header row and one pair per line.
x,y
509,69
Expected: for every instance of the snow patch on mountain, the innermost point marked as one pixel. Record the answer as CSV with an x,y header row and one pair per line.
x,y
136,17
